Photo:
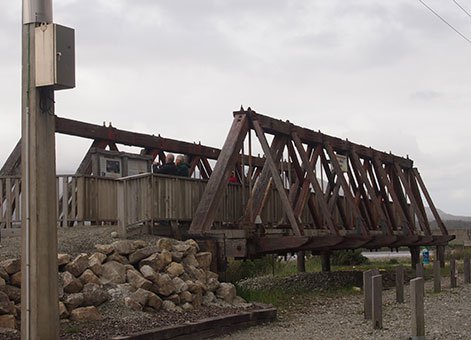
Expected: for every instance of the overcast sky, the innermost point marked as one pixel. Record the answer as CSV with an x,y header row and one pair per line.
x,y
385,74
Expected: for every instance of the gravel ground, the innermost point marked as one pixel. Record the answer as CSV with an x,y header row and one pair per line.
x,y
447,316
313,317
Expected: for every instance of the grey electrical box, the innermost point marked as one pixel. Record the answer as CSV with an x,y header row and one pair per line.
x,y
55,56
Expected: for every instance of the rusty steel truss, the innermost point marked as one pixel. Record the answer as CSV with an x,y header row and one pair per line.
x,y
372,200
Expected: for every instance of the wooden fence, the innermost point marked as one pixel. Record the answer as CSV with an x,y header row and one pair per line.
x,y
136,199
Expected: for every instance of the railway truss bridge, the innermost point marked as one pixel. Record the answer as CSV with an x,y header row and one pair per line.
x,y
308,192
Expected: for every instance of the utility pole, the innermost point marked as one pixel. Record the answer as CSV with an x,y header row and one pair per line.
x,y
39,291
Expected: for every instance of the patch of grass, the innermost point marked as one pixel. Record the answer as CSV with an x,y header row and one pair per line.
x,y
72,330
291,299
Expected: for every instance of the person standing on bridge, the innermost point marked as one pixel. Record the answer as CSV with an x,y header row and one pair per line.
x,y
169,168
183,169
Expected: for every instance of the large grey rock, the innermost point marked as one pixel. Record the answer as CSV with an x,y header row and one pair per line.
x,y
169,306
104,248
181,247
3,273
2,282
15,279
137,280
70,283
78,265
14,293
63,259
124,247
94,295
175,269
226,291
95,262
196,273
117,258
141,296
7,321
187,307
114,272
177,256
90,313
166,257
208,298
154,301
89,276
165,285
175,298
180,285
212,284
73,301
63,312
165,244
204,260
11,266
155,261
142,253
186,296
149,273
140,244
6,307
190,260
194,247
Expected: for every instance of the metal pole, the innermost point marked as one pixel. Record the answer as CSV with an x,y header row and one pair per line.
x,y
39,293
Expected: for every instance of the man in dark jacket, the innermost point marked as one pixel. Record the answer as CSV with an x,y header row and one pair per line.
x,y
169,168
182,167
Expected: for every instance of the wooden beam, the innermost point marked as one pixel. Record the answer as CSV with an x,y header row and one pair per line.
x,y
312,178
346,189
12,166
429,201
206,211
262,187
288,209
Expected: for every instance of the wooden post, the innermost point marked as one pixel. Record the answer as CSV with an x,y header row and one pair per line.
x,y
467,270
39,288
377,302
417,308
437,280
400,284
453,273
301,262
419,270
441,255
121,207
367,294
415,256
325,262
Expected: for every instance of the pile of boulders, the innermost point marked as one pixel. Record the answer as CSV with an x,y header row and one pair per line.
x,y
168,274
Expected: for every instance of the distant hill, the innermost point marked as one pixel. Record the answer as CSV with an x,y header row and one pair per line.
x,y
451,221
446,217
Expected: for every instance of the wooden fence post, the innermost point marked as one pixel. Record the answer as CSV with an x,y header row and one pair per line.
x,y
467,270
437,279
377,303
301,261
419,270
417,308
453,273
121,208
400,284
367,297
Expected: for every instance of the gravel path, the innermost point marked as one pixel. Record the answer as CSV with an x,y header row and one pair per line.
x,y
447,316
